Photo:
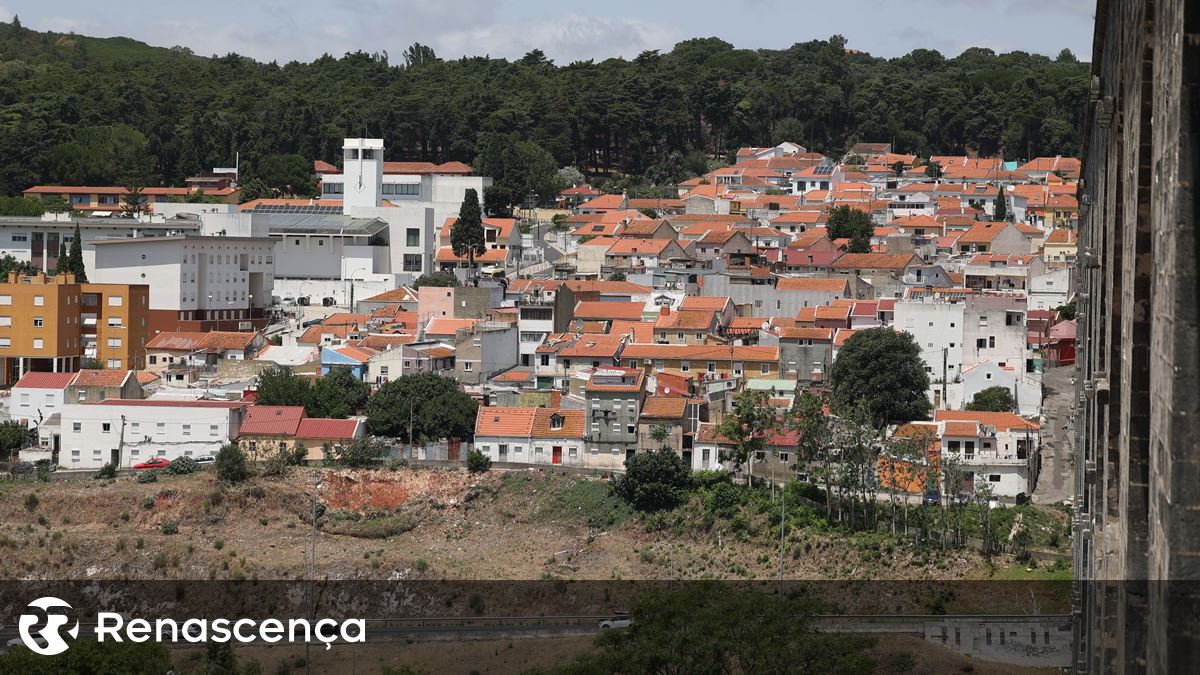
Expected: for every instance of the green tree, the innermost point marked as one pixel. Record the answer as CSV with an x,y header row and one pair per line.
x,y
467,234
498,202
1000,207
231,465
709,629
850,223
477,462
748,426
882,369
278,385
518,167
436,279
898,169
933,170
253,189
89,656
14,436
8,263
360,454
288,174
20,206
76,265
1067,311
63,262
418,54
813,435
338,394
655,480
993,399
436,407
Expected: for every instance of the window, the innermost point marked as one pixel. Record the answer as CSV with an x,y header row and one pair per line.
x,y
981,343
114,363
765,369
402,189
5,299
160,427
993,478
685,366
5,342
760,456
81,199
39,301
76,427
212,430
783,457
187,430
680,335
468,366
114,342
114,321
412,262
333,188
630,429
115,301
412,237
37,343
5,321
712,366
106,427
17,238
153,360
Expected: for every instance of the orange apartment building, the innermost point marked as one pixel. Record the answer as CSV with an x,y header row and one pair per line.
x,y
53,324
92,199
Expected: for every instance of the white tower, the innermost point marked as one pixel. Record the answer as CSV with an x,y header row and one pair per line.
x,y
362,170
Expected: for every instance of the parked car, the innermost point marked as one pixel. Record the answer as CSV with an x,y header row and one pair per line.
x,y
288,300
152,463
618,620
932,498
205,459
962,499
311,322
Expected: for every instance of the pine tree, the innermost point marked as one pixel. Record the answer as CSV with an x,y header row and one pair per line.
x,y
61,265
466,235
75,264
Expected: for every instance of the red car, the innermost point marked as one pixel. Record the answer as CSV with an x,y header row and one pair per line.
x,y
153,463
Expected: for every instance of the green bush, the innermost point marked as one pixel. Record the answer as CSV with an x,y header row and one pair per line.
x,y
654,480
31,502
231,464
106,472
170,528
181,466
478,462
147,477
148,503
360,454
723,499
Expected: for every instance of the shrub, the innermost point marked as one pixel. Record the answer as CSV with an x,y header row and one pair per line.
x,y
31,502
360,454
181,466
723,500
231,464
108,471
148,503
421,565
219,544
160,561
478,462
147,477
170,528
653,481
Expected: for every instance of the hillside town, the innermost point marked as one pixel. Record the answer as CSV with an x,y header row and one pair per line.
x,y
585,329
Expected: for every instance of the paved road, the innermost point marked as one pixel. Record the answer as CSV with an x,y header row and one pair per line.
x,y
1056,482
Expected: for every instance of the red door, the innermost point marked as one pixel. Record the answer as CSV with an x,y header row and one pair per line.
x,y
556,454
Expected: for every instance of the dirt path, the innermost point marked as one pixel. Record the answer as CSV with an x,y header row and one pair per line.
x,y
1056,482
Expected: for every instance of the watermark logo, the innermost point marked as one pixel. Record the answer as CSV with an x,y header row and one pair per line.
x,y
50,634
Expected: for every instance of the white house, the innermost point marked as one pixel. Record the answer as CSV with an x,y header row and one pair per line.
x,y
540,436
37,396
127,432
996,449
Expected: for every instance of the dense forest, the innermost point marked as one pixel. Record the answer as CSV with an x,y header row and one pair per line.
x,y
81,110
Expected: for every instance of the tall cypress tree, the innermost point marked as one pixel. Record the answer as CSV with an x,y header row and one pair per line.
x,y
61,264
466,235
76,263
1000,207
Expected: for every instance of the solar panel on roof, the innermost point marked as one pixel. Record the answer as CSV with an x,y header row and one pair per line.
x,y
823,170
321,209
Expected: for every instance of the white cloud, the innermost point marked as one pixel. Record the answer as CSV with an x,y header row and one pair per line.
x,y
564,39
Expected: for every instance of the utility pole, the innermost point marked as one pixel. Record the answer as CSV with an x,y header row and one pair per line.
x,y
782,523
411,444
945,361
310,575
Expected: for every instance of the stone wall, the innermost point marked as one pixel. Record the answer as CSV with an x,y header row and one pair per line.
x,y
1138,415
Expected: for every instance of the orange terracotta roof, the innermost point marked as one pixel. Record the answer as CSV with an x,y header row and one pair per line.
x,y
557,423
875,261
701,352
323,428
36,380
272,420
100,378
664,407
513,376
447,326
1002,421
603,203
706,302
686,319
811,284
1062,236
790,333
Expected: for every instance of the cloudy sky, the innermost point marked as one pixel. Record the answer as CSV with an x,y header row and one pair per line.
x,y
567,30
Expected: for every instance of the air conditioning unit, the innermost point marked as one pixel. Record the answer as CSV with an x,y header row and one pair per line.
x,y
648,362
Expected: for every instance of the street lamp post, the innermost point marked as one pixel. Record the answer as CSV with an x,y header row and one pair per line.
x,y
360,269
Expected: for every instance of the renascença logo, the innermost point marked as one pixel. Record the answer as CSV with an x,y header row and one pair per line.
x,y
50,634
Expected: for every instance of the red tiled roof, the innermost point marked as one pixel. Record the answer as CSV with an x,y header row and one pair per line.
x,y
664,407
100,378
272,420
1003,421
159,403
322,428
32,380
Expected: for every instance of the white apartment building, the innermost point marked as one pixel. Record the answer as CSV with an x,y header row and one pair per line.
x,y
127,432
196,283
39,240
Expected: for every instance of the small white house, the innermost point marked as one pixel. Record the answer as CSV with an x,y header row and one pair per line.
x,y
37,396
127,432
